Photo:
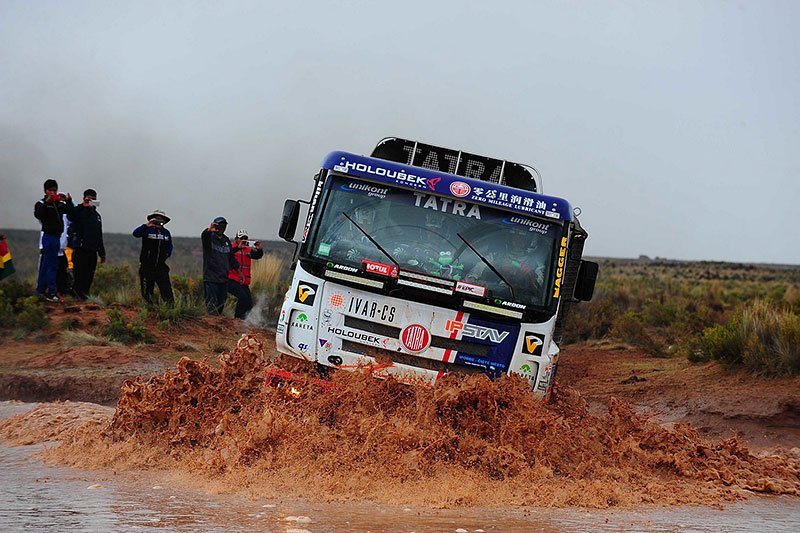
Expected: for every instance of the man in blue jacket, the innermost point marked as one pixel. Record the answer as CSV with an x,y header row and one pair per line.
x,y
86,240
50,212
156,248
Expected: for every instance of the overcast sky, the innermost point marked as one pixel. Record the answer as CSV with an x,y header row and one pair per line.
x,y
672,125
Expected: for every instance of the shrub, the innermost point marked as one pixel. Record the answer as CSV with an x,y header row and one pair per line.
x,y
190,289
121,330
183,308
20,308
760,336
82,338
269,285
70,323
31,314
116,284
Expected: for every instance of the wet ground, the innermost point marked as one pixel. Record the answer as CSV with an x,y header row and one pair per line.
x,y
39,497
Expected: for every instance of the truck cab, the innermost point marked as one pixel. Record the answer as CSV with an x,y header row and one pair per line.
x,y
418,261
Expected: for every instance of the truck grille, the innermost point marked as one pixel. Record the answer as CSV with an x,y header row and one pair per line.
x,y
445,343
407,359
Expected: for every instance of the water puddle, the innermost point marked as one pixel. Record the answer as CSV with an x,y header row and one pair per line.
x,y
213,448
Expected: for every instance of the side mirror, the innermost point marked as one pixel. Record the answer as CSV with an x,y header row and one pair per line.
x,y
584,285
291,212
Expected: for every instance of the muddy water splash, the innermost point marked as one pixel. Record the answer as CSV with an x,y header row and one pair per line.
x,y
468,441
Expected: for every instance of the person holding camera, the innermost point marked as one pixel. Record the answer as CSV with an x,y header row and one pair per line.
x,y
218,260
85,237
156,248
50,211
245,251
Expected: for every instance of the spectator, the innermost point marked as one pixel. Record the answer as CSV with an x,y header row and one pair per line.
x,y
86,240
6,265
239,280
218,261
64,271
156,248
50,211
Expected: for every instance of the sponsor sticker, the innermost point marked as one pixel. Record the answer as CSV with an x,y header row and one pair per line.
x,y
369,190
562,259
470,288
336,300
337,266
475,331
506,303
379,268
460,189
415,338
306,292
532,344
529,370
355,335
447,205
372,309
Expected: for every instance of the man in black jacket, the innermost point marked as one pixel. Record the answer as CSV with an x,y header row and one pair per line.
x,y
218,260
156,248
86,240
50,212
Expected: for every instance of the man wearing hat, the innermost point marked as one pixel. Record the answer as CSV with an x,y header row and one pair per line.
x,y
156,248
218,261
85,237
239,280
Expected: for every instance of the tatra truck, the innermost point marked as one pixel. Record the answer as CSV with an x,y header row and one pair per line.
x,y
419,261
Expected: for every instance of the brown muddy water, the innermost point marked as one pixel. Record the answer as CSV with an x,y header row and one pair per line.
x,y
39,497
212,448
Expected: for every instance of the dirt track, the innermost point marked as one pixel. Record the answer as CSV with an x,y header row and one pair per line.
x,y
719,403
44,367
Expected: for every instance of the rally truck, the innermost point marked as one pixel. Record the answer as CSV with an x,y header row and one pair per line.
x,y
419,261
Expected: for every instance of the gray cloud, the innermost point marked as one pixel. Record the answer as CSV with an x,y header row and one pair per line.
x,y
674,129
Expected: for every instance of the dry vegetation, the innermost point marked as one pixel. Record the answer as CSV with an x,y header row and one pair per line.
x,y
697,310
740,315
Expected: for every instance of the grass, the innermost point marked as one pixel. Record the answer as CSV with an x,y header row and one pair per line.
x,y
761,336
698,310
182,309
269,283
71,339
741,315
120,329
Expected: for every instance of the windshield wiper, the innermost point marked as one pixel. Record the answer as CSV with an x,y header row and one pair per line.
x,y
373,241
488,264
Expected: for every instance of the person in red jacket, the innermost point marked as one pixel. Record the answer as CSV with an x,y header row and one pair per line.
x,y
239,280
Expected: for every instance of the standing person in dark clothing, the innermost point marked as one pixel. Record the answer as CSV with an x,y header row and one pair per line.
x,y
239,280
86,240
218,260
50,212
156,248
64,270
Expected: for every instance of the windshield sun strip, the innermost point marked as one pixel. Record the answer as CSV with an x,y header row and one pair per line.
x,y
423,286
354,279
492,309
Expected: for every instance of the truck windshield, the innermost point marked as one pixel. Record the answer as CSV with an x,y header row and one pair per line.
x,y
438,236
